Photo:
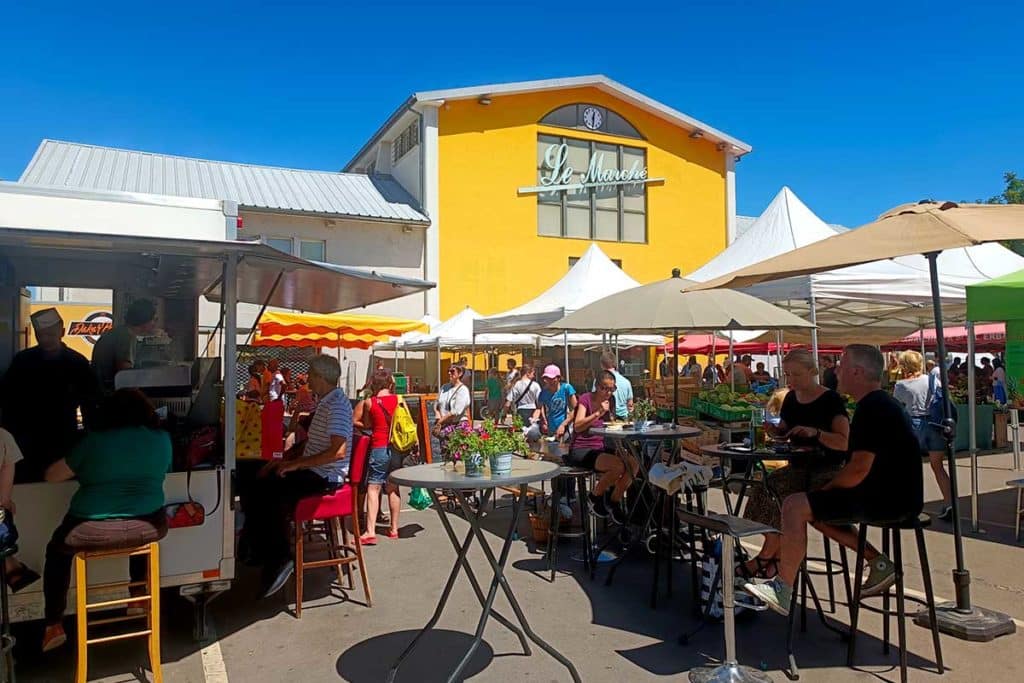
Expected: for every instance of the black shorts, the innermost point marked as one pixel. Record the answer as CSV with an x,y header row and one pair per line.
x,y
582,457
853,505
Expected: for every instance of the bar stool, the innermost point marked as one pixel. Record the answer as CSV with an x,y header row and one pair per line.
x,y
150,613
582,478
891,532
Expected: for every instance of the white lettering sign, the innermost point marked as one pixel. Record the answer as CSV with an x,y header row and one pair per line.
x,y
559,175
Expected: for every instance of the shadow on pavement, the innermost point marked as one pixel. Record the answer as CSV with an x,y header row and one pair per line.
x,y
438,651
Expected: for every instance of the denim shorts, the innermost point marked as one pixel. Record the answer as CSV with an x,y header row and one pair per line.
x,y
380,466
929,438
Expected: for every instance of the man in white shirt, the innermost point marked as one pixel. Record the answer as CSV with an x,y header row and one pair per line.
x,y
623,387
522,397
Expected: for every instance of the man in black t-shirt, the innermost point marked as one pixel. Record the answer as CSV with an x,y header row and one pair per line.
x,y
882,481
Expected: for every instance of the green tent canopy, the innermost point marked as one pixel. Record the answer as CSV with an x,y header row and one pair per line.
x,y
998,299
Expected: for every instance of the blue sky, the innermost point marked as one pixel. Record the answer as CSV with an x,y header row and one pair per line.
x,y
855,106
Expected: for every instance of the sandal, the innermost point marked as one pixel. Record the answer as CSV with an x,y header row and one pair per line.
x,y
766,569
21,577
392,534
367,540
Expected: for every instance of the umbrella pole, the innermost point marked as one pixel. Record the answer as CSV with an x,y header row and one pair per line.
x,y
814,333
971,419
732,364
778,354
922,342
958,618
675,376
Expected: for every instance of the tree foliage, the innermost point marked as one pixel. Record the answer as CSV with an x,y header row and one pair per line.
x,y
1013,193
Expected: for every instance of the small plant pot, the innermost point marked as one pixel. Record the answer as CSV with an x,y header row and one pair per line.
x,y
501,464
474,465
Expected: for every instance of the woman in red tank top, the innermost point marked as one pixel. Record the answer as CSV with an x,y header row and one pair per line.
x,y
374,415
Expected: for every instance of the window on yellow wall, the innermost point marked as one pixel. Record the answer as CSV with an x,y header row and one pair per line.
x,y
612,213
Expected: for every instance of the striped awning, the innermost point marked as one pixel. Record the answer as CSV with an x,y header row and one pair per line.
x,y
331,331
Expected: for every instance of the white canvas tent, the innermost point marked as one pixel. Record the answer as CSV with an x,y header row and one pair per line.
x,y
870,303
593,277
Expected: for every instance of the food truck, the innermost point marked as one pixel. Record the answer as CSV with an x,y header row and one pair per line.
x,y
185,256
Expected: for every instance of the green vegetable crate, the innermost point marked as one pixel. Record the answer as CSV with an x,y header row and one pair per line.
x,y
720,413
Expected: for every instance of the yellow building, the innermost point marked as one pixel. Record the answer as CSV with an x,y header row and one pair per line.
x,y
518,179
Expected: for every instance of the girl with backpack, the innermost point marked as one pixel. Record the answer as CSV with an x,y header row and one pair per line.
x,y
375,415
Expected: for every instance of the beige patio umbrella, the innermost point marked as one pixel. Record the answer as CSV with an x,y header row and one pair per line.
x,y
922,228
927,228
665,306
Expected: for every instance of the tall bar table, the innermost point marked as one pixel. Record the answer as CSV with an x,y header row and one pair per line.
x,y
434,477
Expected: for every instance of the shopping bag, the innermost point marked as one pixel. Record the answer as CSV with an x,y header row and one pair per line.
x,y
419,499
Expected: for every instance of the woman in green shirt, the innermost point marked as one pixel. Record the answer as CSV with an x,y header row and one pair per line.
x,y
119,502
495,393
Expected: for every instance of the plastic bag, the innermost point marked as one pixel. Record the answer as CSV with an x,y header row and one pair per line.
x,y
419,499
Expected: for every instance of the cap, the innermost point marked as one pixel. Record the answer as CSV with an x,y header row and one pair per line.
x,y
552,372
45,319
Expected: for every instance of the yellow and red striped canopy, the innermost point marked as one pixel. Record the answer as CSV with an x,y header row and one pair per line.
x,y
335,330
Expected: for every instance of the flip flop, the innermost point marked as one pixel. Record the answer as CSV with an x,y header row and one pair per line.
x,y
367,540
21,577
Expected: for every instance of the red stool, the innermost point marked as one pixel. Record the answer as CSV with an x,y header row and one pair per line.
x,y
328,511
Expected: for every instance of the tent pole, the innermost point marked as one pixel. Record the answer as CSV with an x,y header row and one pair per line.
x,y
972,438
778,355
472,379
959,619
439,364
713,360
922,342
814,334
565,344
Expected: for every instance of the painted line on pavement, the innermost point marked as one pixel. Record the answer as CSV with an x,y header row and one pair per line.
x,y
214,669
820,566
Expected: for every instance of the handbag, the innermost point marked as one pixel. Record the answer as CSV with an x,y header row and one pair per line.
x,y
936,395
8,532
191,512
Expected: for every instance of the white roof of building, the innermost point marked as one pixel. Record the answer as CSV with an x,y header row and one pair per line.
x,y
599,81
271,188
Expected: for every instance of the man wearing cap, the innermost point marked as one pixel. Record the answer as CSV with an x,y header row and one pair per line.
x,y
556,404
115,350
41,393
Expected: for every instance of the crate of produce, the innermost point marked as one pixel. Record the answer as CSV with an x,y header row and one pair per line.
x,y
401,383
662,391
665,414
691,447
720,412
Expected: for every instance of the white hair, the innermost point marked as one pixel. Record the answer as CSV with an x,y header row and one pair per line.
x,y
327,367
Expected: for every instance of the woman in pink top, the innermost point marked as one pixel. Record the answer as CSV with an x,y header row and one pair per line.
x,y
374,415
588,450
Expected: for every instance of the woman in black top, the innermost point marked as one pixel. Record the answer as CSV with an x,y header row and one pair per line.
x,y
811,415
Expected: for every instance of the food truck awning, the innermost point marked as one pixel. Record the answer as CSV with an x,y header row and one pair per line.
x,y
183,268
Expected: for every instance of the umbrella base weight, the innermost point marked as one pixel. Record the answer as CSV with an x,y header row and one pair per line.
x,y
979,624
730,672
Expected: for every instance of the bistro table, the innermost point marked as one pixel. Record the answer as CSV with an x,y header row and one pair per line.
x,y
434,477
636,442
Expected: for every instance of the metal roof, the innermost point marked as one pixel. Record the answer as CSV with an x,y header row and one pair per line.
x,y
90,167
600,81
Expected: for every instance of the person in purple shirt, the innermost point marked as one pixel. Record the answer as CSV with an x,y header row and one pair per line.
x,y
588,450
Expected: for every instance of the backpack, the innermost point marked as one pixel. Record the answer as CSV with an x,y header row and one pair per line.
x,y
404,435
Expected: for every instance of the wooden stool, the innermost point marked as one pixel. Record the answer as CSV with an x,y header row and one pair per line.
x,y
582,478
151,613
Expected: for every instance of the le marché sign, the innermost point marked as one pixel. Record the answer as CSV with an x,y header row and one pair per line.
x,y
558,175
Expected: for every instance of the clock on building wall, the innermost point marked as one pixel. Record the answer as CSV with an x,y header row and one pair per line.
x,y
592,118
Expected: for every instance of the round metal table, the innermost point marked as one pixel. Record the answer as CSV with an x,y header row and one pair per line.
x,y
434,477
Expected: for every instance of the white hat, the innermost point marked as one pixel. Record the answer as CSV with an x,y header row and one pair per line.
x,y
45,319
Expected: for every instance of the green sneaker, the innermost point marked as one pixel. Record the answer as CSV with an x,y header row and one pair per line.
x,y
776,594
881,575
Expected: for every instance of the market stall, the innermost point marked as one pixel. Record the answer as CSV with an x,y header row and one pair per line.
x,y
87,239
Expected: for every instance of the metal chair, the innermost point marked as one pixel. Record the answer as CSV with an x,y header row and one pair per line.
x,y
581,477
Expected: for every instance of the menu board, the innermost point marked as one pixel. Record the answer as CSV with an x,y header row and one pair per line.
x,y
423,414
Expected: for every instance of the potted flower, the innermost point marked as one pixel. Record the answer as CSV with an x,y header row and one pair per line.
x,y
465,444
500,444
643,411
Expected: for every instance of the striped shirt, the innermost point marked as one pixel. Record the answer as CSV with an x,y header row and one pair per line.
x,y
333,417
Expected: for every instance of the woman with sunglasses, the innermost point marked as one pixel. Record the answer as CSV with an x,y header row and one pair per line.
x,y
453,404
589,451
